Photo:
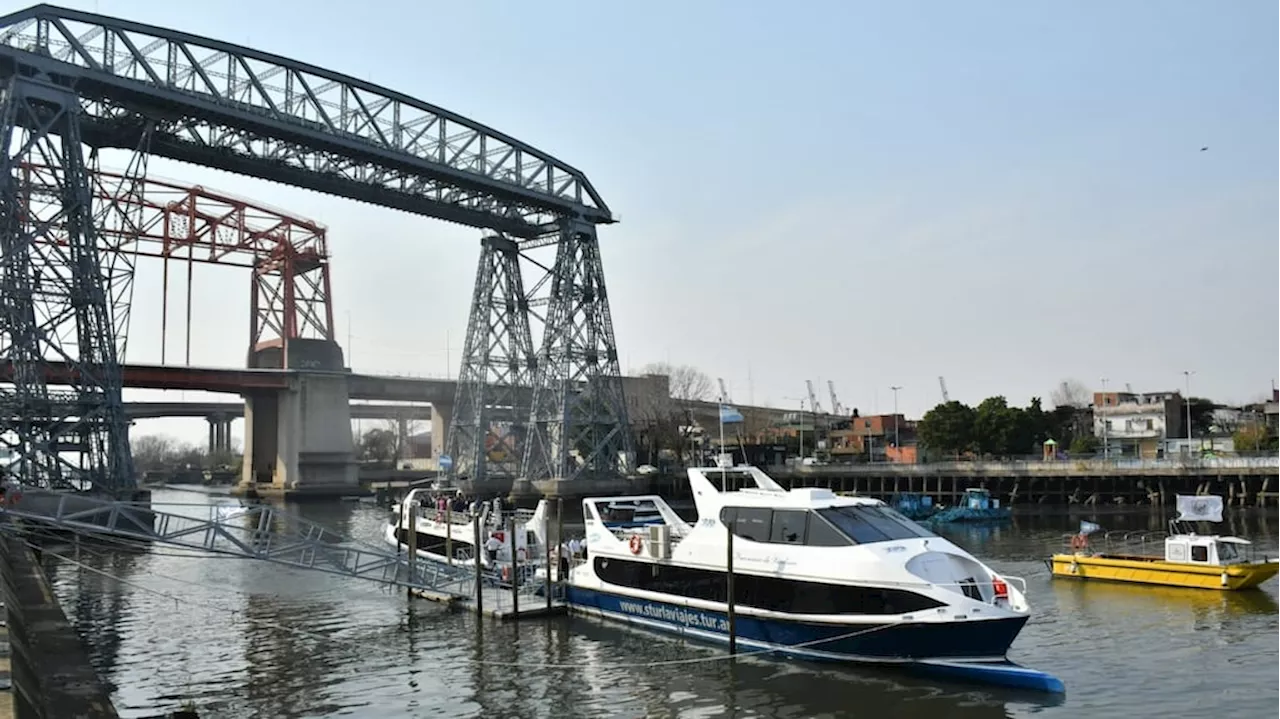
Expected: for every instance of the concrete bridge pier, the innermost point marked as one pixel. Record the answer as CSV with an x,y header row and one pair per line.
x,y
297,441
219,434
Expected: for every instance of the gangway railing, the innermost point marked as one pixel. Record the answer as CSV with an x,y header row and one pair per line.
x,y
255,531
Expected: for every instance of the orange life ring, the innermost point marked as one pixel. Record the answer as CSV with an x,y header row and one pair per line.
x,y
506,573
1079,541
636,544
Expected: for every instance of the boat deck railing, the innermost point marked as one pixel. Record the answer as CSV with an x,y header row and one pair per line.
x,y
1129,543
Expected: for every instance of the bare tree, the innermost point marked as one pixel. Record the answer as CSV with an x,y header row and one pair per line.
x,y
686,384
400,445
670,418
1071,393
153,451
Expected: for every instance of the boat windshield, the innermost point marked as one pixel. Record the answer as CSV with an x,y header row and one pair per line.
x,y
1227,552
868,524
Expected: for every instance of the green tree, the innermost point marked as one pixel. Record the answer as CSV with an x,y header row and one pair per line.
x,y
1084,444
991,425
947,428
1254,437
378,445
1201,416
1002,430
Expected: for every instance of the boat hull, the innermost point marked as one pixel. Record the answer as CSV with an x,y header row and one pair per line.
x,y
1155,571
887,642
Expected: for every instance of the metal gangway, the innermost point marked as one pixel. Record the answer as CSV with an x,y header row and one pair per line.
x,y
253,531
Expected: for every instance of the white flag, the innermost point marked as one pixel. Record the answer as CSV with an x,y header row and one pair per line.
x,y
1202,508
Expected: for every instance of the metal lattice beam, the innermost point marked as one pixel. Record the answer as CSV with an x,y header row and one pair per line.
x,y
257,531
578,421
55,303
246,111
491,407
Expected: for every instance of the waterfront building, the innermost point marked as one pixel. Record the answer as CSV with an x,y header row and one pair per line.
x,y
1138,424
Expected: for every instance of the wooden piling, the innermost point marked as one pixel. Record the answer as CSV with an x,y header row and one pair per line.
x,y
728,581
475,531
560,541
546,541
515,568
413,542
448,533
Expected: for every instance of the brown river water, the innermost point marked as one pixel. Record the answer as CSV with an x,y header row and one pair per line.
x,y
246,639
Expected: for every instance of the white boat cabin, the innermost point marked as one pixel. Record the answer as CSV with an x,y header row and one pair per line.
x,y
1211,550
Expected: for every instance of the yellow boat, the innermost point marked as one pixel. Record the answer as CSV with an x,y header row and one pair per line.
x,y
1190,560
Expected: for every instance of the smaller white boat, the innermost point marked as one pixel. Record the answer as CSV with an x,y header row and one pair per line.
x,y
446,537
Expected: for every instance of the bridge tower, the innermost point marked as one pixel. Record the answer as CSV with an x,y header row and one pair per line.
x,y
491,407
578,427
56,301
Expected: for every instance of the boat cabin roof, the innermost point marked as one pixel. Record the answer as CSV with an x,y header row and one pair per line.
x,y
759,490
1211,538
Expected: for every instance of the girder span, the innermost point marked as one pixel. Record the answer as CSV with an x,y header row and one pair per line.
x,y
175,222
246,111
256,531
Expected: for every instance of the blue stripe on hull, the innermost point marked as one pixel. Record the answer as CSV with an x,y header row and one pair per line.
x,y
888,642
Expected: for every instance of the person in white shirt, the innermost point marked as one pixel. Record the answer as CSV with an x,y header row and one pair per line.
x,y
575,547
492,546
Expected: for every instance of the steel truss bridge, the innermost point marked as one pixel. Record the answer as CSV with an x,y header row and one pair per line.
x,y
75,83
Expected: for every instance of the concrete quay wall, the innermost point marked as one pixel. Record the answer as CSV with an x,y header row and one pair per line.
x,y
1226,466
1241,481
50,673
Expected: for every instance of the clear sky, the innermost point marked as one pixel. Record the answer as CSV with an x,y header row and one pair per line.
x,y
1005,194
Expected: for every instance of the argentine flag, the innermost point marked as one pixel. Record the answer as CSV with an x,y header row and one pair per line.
x,y
730,415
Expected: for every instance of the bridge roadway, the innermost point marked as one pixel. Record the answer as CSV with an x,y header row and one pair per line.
x,y
240,381
232,410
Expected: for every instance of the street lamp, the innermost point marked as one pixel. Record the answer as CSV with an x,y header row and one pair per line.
x,y
1187,401
896,444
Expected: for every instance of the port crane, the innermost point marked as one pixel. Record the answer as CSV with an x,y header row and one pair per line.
x,y
813,400
836,407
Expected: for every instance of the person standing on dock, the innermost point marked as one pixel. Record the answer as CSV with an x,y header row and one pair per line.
x,y
497,510
562,553
491,546
574,547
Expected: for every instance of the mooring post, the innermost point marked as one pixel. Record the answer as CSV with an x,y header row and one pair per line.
x,y
546,539
515,568
561,577
413,543
728,582
475,530
448,533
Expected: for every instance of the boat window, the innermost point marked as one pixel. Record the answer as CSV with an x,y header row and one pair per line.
x,y
866,524
1227,552
788,526
1199,553
748,522
822,534
762,592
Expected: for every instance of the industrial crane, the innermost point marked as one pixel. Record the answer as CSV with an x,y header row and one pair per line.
x,y
813,400
836,409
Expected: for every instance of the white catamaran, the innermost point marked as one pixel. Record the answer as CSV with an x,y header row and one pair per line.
x,y
816,575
